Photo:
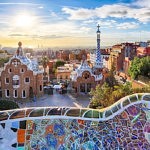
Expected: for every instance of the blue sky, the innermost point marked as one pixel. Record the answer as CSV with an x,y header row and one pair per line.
x,y
65,23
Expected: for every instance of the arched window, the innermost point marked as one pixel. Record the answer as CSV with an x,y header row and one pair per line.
x,y
16,81
86,75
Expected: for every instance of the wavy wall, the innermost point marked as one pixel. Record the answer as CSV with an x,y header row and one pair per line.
x,y
124,125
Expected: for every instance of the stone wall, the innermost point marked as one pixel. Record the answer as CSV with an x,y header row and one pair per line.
x,y
124,125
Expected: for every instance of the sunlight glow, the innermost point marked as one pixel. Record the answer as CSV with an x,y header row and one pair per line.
x,y
24,20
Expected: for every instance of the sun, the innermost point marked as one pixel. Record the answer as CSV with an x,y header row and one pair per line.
x,y
24,20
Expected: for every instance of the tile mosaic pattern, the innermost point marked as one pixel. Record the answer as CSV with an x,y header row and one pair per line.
x,y
124,125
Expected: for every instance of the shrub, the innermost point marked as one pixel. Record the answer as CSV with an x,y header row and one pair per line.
x,y
6,105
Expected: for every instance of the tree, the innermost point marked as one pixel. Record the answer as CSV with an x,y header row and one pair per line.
x,y
110,80
104,96
140,66
59,63
120,91
100,97
3,60
44,62
145,89
6,105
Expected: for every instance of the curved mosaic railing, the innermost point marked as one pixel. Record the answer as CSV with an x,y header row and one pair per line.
x,y
124,125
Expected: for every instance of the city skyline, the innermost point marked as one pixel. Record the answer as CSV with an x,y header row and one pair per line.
x,y
73,23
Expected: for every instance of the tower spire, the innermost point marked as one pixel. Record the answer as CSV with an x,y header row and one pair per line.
x,y
98,26
98,62
19,50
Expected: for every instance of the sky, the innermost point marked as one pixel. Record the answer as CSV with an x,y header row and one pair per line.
x,y
73,23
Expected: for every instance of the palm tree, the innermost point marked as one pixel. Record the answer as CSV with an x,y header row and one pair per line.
x,y
44,62
121,91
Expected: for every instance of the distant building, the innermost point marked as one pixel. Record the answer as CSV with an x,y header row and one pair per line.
x,y
51,70
21,77
143,51
116,57
63,73
120,55
72,56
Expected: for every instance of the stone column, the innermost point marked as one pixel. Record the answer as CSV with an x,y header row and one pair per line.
x,y
78,88
85,87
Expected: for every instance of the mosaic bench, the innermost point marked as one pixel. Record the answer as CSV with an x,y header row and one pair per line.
x,y
124,125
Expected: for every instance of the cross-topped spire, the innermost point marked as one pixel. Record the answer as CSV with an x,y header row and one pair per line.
x,y
98,26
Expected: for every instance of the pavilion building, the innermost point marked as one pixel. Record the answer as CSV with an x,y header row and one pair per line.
x,y
21,77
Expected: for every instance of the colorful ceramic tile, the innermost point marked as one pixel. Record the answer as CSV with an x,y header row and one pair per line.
x,y
15,124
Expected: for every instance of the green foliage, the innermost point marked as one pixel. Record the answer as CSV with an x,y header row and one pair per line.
x,y
3,60
110,79
120,91
59,63
4,51
104,96
145,89
101,96
140,66
44,61
6,105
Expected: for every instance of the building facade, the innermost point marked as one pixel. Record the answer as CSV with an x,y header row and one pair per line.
x,y
21,78
63,73
143,51
83,78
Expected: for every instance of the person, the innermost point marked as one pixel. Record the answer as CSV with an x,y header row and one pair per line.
x,y
34,98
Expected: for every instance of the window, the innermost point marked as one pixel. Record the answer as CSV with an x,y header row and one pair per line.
x,y
15,82
22,70
66,77
86,75
15,93
23,94
60,77
7,94
27,79
6,80
16,63
10,70
40,87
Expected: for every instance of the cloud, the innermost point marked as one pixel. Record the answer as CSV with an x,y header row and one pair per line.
x,y
24,35
51,36
127,25
88,21
53,14
78,14
18,35
37,36
40,7
142,3
107,23
113,11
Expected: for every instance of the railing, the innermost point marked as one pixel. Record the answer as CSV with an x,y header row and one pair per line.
x,y
124,125
76,113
